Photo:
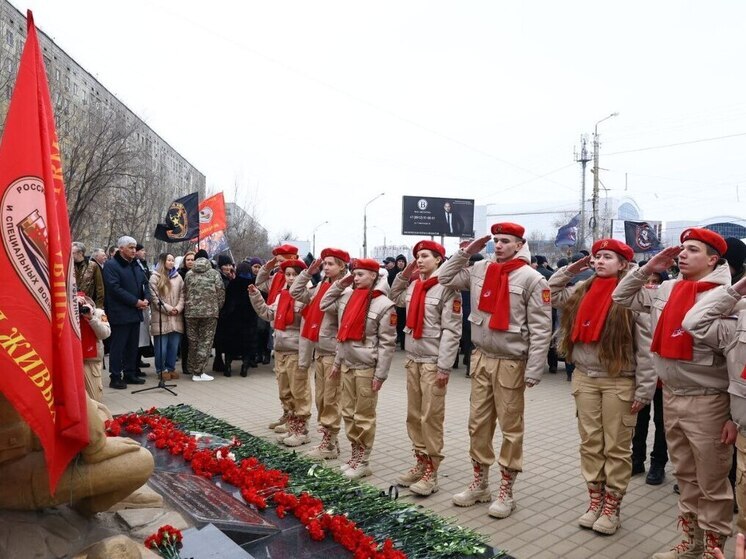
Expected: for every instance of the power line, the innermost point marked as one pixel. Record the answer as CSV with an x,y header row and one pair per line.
x,y
677,144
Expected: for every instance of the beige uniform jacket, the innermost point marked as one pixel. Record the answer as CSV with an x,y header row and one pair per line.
x,y
706,372
285,340
441,331
327,344
377,349
530,329
173,299
585,356
719,320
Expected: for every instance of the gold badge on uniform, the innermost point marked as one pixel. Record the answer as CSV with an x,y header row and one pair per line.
x,y
392,319
546,296
456,306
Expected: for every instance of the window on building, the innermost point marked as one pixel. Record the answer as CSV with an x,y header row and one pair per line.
x,y
9,37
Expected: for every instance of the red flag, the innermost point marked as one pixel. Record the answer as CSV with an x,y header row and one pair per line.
x,y
40,349
212,215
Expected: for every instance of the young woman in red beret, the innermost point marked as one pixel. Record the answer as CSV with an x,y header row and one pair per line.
x,y
318,344
432,333
366,343
284,315
613,378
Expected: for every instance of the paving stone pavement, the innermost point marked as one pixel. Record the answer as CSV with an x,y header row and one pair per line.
x,y
550,493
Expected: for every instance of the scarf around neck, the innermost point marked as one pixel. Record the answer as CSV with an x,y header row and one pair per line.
x,y
352,325
594,308
416,310
313,315
285,313
495,296
670,340
277,284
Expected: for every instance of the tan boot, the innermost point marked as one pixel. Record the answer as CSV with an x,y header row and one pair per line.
x,y
478,490
609,521
275,424
692,546
174,375
428,483
360,468
165,375
504,504
713,541
415,472
354,457
298,433
327,449
596,493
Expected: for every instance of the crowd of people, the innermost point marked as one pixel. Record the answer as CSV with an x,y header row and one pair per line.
x,y
668,332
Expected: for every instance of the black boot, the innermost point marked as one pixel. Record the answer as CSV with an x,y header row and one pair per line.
x,y
656,475
217,365
267,358
227,369
244,368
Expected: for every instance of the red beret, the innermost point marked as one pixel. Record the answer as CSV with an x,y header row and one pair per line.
x,y
623,250
365,264
508,228
285,249
429,245
707,237
299,264
336,253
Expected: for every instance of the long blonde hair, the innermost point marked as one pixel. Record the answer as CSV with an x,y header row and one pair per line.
x,y
617,346
164,282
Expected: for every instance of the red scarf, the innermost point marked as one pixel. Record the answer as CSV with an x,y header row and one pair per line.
x,y
495,296
352,326
594,308
285,313
313,315
670,340
743,373
416,311
89,339
277,285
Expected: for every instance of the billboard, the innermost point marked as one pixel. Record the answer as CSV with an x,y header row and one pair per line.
x,y
426,215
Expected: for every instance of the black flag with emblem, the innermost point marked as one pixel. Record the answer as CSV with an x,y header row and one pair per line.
x,y
182,220
641,236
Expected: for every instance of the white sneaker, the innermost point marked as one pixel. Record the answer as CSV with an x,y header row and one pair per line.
x,y
204,377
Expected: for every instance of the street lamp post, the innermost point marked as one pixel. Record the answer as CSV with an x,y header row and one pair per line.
x,y
596,146
365,224
313,247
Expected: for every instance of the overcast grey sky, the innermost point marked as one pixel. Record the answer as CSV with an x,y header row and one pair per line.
x,y
316,107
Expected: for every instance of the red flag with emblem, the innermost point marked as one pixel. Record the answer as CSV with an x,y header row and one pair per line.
x,y
212,215
40,348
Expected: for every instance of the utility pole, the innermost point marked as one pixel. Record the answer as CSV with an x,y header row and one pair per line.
x,y
583,158
596,145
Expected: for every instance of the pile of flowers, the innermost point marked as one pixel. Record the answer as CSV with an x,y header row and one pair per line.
x,y
166,542
368,524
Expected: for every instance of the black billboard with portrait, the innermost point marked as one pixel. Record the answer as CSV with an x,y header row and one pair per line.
x,y
426,215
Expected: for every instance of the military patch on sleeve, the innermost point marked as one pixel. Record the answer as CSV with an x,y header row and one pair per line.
x,y
456,306
546,296
392,319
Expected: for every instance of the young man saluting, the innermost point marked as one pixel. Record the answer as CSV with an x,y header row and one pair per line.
x,y
511,326
696,407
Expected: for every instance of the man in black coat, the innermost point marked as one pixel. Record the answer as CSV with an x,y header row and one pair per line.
x,y
126,295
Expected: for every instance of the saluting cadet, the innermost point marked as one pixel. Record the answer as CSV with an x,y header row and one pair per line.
x,y
318,344
614,376
719,320
270,282
696,406
367,340
284,315
432,333
511,327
